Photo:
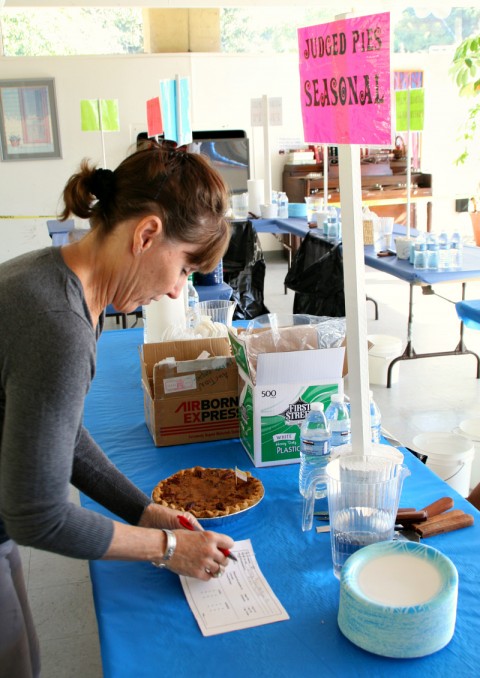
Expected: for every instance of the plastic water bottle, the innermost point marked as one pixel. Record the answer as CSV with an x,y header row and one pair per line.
x,y
444,252
375,420
314,448
432,252
456,251
192,301
338,418
420,256
282,205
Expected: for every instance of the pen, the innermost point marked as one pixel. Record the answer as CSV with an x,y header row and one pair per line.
x,y
184,522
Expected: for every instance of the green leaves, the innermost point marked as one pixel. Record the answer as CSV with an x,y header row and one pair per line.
x,y
465,70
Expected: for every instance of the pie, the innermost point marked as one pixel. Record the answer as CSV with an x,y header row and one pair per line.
x,y
208,492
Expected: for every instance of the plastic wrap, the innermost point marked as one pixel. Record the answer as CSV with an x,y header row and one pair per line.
x,y
284,333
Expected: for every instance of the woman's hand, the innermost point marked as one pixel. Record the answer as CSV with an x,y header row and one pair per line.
x,y
161,517
198,554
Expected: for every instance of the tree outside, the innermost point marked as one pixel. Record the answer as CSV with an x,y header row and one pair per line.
x,y
50,31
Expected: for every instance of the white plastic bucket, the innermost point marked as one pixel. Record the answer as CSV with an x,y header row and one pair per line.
x,y
470,429
383,351
450,456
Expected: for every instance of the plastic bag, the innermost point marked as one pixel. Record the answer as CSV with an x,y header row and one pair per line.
x,y
284,333
316,276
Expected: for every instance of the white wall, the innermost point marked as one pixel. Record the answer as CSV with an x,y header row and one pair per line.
x,y
222,86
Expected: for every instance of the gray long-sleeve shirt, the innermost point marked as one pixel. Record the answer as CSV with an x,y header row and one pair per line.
x,y
47,363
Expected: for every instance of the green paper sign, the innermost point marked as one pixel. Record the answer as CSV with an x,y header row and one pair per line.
x,y
417,108
89,113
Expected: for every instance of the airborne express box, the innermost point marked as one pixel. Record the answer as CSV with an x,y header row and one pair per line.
x,y
276,389
190,391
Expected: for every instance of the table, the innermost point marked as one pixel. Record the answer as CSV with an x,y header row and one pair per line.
x,y
220,291
145,625
425,279
404,271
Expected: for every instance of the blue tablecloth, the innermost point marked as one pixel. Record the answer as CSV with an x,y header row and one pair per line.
x,y
469,313
145,624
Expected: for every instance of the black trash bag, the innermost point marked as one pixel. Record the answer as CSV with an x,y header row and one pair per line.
x,y
248,288
316,277
244,270
242,248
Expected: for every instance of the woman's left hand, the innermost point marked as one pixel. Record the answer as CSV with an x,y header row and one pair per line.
x,y
162,517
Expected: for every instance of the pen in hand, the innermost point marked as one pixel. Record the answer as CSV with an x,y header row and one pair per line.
x,y
184,522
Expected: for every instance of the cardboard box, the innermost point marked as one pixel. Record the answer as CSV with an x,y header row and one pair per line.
x,y
275,395
188,399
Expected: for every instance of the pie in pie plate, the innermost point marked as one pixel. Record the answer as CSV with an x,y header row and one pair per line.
x,y
209,493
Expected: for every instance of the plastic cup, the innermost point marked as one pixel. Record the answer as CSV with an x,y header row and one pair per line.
x,y
240,205
402,246
314,205
217,310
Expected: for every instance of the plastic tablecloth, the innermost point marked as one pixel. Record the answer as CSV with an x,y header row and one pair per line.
x,y
145,625
469,313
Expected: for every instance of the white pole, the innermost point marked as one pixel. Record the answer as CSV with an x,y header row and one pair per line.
x,y
325,176
266,151
100,122
355,306
409,171
178,109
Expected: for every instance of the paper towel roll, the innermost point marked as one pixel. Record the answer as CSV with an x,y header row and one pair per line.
x,y
255,195
162,314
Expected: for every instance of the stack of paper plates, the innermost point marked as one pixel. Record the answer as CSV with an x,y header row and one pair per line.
x,y
398,599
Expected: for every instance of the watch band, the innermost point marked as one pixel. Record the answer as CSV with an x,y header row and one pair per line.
x,y
169,549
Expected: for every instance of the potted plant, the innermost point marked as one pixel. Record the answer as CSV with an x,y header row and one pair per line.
x,y
465,70
14,139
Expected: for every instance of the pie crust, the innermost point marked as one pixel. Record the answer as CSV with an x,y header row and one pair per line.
x,y
208,492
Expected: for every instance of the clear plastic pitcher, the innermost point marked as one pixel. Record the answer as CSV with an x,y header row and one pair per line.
x,y
363,496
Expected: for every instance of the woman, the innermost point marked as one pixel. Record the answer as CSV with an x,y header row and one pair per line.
x,y
154,220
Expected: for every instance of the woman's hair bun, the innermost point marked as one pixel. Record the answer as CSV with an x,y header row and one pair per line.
x,y
102,185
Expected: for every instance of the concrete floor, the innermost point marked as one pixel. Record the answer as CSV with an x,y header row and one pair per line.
x,y
433,394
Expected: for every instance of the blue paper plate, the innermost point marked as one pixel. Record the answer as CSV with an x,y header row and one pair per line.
x,y
398,599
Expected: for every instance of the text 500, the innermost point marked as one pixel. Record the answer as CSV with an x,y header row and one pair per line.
x,y
269,394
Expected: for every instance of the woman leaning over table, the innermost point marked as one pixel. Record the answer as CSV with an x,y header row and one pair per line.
x,y
155,219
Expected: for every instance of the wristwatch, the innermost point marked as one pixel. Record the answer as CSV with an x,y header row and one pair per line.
x,y
169,549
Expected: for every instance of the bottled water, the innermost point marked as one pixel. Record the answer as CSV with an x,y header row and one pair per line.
x,y
420,256
192,301
432,252
444,252
282,205
338,419
314,448
456,251
375,420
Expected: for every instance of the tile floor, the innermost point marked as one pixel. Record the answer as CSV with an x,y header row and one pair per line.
x,y
432,394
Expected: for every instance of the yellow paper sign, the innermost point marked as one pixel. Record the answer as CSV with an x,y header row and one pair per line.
x,y
99,115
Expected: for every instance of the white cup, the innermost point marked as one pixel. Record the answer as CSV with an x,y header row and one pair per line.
x,y
269,211
402,246
240,205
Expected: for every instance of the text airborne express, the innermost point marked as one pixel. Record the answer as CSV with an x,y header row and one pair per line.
x,y
216,409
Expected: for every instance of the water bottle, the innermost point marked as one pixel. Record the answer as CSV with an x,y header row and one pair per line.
x,y
314,448
444,252
325,228
332,232
282,205
192,301
432,252
338,418
375,420
456,251
420,256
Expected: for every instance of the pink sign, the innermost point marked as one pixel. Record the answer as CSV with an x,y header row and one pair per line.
x,y
345,81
